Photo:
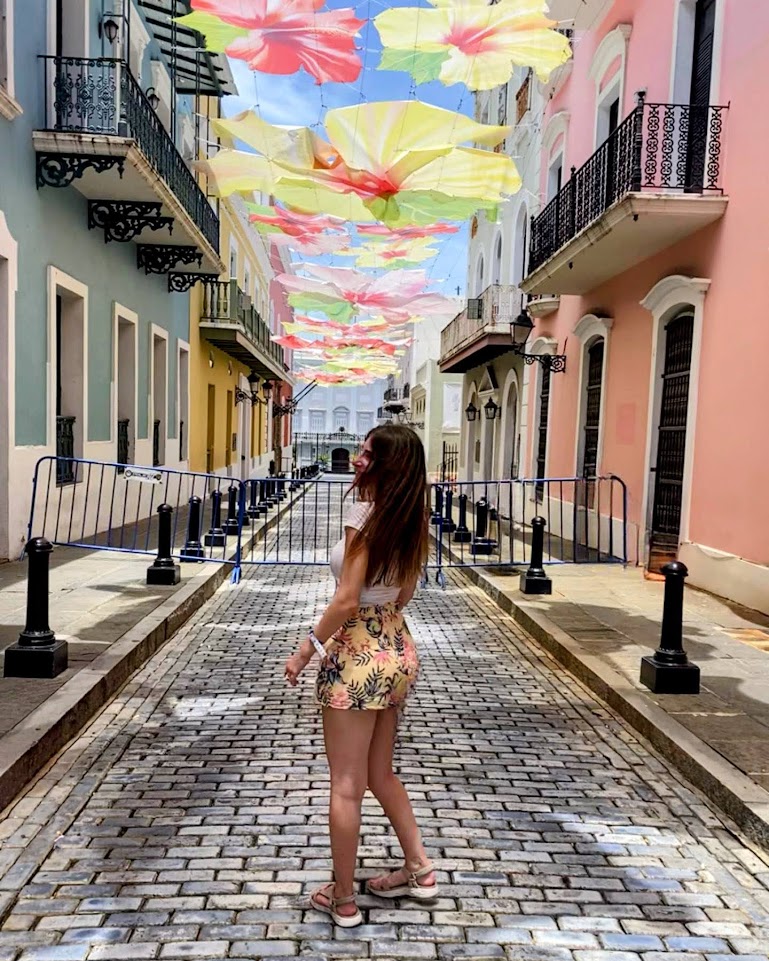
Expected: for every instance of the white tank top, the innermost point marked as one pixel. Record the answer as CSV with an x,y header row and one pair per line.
x,y
378,593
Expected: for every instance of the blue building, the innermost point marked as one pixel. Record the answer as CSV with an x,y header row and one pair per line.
x,y
104,229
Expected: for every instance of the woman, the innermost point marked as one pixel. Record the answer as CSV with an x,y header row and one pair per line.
x,y
369,665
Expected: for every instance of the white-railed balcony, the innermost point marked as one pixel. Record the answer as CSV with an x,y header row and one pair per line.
x,y
482,331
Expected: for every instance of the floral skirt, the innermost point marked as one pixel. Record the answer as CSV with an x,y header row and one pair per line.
x,y
371,662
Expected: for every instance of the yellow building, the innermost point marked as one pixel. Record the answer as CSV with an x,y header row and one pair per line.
x,y
230,342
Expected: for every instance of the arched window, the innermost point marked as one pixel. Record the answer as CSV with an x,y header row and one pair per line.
x,y
496,277
479,277
520,242
341,418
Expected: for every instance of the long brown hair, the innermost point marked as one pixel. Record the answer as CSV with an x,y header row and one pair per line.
x,y
396,531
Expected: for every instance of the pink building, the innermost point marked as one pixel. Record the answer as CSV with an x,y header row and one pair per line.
x,y
658,247
642,241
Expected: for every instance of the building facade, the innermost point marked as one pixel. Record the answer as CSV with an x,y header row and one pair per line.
x,y
429,402
234,430
102,222
648,233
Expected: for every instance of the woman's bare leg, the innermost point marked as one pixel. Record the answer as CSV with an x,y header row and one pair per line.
x,y
388,789
348,736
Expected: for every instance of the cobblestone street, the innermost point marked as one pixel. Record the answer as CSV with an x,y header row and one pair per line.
x,y
188,820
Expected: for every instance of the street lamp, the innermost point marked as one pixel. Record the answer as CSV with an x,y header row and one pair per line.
x,y
109,28
471,411
154,99
520,331
245,395
492,410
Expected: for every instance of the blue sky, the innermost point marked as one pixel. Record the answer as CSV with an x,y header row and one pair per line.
x,y
297,100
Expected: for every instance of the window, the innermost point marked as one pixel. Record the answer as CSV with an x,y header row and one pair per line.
x,y
247,280
297,421
522,98
8,106
365,422
555,177
496,277
233,263
341,418
317,421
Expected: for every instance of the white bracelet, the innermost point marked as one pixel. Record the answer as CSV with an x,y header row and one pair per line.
x,y
317,644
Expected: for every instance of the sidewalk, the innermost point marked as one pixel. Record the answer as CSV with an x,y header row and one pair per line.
x,y
600,621
113,621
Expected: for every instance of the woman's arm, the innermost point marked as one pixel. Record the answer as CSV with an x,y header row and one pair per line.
x,y
405,595
344,604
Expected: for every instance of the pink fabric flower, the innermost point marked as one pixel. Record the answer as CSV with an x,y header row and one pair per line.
x,y
284,35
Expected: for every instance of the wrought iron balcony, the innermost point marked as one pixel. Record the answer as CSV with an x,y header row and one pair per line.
x,y
482,331
654,181
98,119
231,322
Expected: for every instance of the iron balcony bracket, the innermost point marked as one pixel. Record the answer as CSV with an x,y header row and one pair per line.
x,y
180,283
123,220
60,170
160,258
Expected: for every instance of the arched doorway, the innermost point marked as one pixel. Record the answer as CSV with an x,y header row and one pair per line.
x,y
340,460
511,452
473,448
670,455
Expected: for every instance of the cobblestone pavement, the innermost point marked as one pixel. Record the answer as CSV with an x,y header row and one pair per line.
x,y
188,821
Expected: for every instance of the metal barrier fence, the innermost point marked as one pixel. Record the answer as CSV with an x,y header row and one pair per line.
x,y
114,507
488,523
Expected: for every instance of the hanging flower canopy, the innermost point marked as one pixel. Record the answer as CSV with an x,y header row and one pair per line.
x,y
341,293
391,255
472,42
383,182
406,233
397,162
281,36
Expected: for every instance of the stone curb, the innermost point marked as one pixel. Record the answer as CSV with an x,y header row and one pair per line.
x,y
29,746
745,802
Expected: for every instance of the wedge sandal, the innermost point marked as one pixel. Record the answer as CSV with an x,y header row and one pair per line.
x,y
411,889
343,920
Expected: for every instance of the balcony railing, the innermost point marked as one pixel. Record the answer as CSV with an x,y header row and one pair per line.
x,y
659,147
65,448
225,303
396,394
102,97
492,312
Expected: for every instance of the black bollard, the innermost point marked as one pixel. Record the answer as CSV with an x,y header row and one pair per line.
x,y
535,580
668,670
232,526
482,543
216,536
37,653
447,522
272,493
264,501
193,549
462,534
253,494
165,570
281,488
437,514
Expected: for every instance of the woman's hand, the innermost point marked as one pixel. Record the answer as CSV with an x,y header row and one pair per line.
x,y
295,665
